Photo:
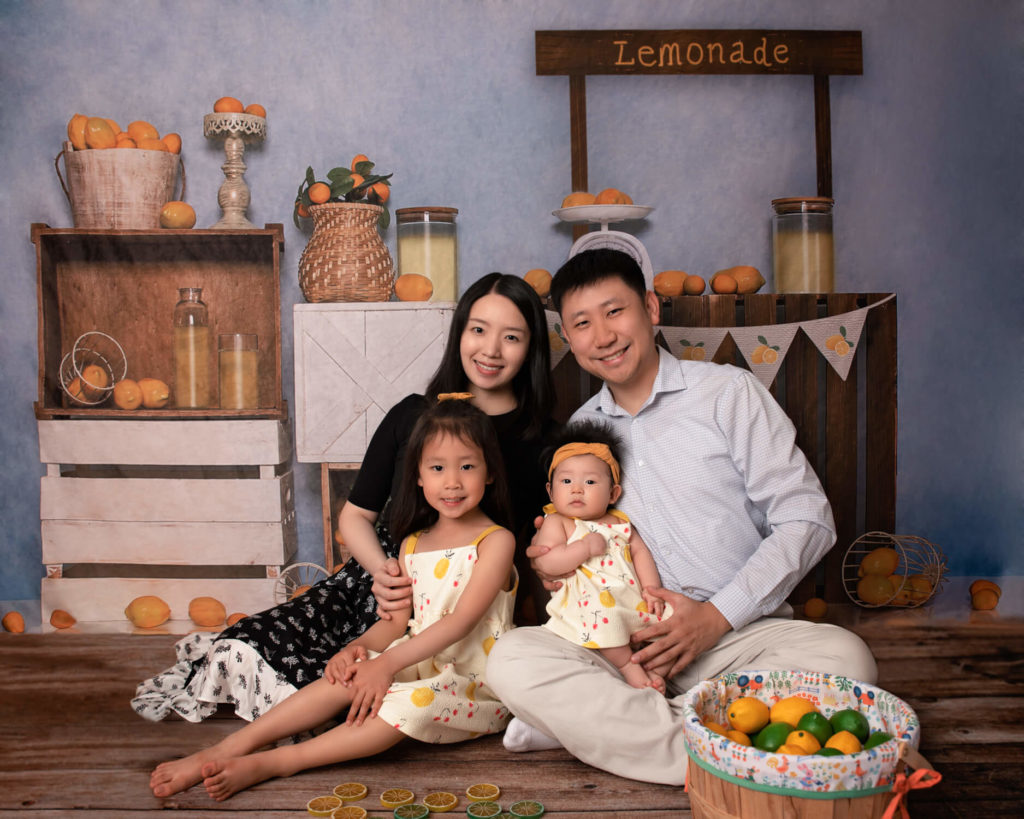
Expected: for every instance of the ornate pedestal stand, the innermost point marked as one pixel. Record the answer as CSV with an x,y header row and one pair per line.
x,y
233,196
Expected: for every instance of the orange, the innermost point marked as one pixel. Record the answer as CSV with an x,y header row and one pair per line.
x,y
984,600
234,618
612,196
256,110
918,588
739,736
440,801
349,812
882,560
382,191
150,144
61,619
716,727
76,131
393,797
173,143
978,585
770,356
540,280
127,394
99,134
351,791
356,160
13,622
815,608
125,142
670,283
483,792
94,382
113,125
140,130
694,285
875,589
323,805
299,591
577,198
724,283
228,105
155,393
413,287
319,192
206,611
357,180
177,215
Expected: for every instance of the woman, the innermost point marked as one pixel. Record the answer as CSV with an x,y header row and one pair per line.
x,y
498,351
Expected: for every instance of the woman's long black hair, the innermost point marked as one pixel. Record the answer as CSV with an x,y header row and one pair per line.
x,y
410,511
532,385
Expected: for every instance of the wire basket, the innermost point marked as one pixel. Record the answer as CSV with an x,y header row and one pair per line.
x,y
296,579
918,570
81,382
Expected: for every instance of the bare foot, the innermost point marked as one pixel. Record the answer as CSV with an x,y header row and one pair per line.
x,y
224,778
639,677
169,778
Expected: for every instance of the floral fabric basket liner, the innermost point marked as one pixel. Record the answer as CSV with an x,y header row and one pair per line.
x,y
823,777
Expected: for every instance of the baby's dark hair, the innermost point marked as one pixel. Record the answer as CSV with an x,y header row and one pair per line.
x,y
460,419
583,432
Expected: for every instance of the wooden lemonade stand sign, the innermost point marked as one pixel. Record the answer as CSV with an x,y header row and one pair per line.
x,y
698,51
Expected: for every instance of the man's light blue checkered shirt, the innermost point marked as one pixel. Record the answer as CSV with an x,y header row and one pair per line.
x,y
717,488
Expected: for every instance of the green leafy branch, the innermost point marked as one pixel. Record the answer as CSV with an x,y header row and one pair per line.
x,y
346,185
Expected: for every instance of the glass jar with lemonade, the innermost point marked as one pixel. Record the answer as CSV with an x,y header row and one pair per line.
x,y
191,350
427,244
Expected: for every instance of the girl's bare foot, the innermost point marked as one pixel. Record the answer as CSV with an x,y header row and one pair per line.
x,y
169,778
224,778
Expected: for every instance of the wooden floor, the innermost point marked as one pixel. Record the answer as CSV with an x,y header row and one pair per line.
x,y
71,746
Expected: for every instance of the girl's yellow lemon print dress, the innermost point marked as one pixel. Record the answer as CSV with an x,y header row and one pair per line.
x,y
601,605
445,698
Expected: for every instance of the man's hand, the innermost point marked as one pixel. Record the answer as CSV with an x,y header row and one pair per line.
x,y
392,590
678,640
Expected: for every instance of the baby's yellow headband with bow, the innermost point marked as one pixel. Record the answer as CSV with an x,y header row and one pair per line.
x,y
597,450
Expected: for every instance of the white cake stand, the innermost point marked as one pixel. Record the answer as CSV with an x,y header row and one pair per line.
x,y
233,196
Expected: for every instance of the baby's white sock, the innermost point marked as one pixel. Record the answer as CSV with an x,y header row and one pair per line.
x,y
519,736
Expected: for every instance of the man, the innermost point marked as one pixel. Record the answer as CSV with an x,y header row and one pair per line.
x,y
731,510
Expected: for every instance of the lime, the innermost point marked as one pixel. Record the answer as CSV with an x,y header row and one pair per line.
x,y
853,721
412,811
771,737
828,752
816,724
876,738
526,809
483,809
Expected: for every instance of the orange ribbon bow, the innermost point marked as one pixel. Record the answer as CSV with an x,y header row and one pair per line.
x,y
903,785
454,396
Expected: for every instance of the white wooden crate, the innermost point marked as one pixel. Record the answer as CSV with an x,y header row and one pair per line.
x,y
120,495
353,362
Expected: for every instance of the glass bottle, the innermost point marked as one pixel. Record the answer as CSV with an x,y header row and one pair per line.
x,y
427,244
802,248
191,349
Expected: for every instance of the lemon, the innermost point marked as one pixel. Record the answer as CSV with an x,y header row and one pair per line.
x,y
718,728
881,561
739,736
323,805
805,739
440,801
792,750
875,589
853,721
791,709
393,797
844,742
351,791
483,792
748,714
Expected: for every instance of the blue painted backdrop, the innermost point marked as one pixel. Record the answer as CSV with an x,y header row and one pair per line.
x,y
926,155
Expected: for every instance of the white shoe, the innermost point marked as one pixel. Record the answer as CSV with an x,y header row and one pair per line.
x,y
519,737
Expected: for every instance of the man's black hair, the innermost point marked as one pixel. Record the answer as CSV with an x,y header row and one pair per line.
x,y
590,266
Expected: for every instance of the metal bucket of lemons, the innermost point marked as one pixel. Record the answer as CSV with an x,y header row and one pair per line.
x,y
860,777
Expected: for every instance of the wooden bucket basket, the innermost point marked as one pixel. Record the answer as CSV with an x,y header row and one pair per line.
x,y
119,189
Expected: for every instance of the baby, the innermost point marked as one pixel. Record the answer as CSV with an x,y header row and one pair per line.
x,y
604,598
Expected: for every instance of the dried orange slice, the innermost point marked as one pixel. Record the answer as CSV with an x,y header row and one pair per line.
x,y
351,791
483,792
393,797
350,812
413,810
440,801
526,809
483,809
323,805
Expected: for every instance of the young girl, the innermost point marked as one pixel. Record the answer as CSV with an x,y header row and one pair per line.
x,y
427,681
497,349
605,599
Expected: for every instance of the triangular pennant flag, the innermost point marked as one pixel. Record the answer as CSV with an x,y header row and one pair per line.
x,y
764,347
556,337
837,338
694,343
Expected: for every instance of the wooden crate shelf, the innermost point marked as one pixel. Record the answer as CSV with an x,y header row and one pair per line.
x,y
125,283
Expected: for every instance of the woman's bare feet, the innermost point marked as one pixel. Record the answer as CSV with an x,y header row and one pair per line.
x,y
169,778
223,778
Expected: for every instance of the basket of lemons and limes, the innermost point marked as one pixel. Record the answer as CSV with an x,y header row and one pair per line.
x,y
776,738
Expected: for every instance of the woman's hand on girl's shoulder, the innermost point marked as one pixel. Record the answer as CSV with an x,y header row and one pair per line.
x,y
391,587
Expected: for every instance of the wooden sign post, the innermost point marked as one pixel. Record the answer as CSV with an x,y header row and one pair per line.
x,y
698,51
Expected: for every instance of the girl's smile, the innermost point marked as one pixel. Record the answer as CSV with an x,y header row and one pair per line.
x,y
452,474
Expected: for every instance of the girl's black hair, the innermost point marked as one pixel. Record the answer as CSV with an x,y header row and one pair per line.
x,y
535,396
583,432
410,511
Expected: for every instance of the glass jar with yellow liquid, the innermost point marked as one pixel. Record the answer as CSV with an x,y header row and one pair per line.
x,y
427,244
191,350
238,363
802,248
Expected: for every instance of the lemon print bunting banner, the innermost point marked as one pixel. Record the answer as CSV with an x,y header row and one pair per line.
x,y
694,343
764,347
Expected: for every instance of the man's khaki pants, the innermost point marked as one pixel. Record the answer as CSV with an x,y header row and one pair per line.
x,y
576,696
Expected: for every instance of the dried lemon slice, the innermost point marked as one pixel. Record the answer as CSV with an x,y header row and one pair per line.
x,y
484,792
440,801
394,797
323,805
350,812
526,809
413,810
483,809
351,791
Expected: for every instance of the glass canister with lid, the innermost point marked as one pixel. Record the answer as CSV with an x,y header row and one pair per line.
x,y
802,248
428,245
